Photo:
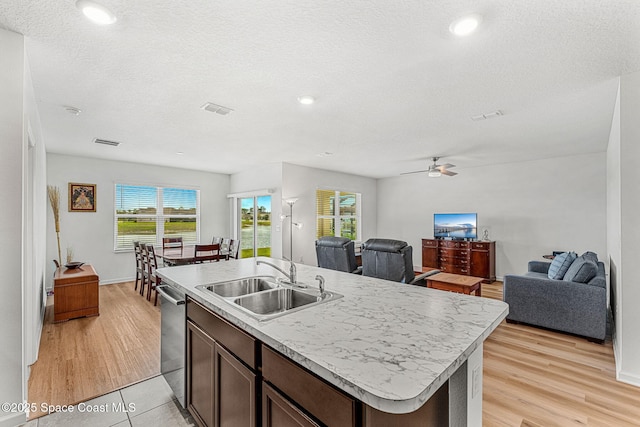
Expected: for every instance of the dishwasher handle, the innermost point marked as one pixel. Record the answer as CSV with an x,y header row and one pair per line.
x,y
165,291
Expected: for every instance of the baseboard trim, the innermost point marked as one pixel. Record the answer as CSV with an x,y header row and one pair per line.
x,y
13,420
112,281
628,378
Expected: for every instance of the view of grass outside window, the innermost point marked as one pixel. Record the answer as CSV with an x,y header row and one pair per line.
x,y
255,229
146,214
338,214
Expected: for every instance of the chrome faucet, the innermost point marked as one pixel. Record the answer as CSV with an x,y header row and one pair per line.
x,y
292,277
320,280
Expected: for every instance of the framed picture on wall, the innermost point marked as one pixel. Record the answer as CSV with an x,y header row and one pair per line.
x,y
82,197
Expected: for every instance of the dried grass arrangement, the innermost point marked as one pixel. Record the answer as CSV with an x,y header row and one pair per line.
x,y
54,199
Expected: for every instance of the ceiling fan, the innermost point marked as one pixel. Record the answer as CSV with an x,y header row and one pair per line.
x,y
435,170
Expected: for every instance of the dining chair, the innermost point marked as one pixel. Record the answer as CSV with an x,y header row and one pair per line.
x,y
216,240
171,243
233,250
209,253
137,250
154,280
144,258
225,244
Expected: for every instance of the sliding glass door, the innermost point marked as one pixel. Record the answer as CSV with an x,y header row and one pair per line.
x,y
255,226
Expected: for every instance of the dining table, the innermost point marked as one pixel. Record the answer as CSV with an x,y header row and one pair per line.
x,y
183,256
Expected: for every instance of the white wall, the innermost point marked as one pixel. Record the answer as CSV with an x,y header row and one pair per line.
x,y
35,221
530,208
91,234
614,236
624,241
302,182
11,251
252,183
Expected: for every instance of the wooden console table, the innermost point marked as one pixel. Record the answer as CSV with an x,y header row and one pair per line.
x,y
75,293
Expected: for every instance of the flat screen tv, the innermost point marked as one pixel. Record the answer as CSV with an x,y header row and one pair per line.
x,y
455,225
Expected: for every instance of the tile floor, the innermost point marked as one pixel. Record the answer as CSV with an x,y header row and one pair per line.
x,y
149,403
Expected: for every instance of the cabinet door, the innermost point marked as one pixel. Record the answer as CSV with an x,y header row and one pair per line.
x,y
480,264
430,253
200,375
235,395
279,412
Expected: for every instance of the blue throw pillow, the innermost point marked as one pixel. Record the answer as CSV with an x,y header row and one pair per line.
x,y
582,270
590,255
560,265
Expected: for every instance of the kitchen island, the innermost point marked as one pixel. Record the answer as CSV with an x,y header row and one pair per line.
x,y
389,346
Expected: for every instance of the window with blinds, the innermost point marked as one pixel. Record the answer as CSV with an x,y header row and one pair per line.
x,y
146,214
338,214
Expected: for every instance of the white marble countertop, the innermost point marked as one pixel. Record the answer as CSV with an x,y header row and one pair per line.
x,y
388,344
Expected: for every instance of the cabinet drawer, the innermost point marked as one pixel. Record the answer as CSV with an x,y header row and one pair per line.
x,y
480,245
243,345
323,401
453,244
459,253
455,262
429,243
454,269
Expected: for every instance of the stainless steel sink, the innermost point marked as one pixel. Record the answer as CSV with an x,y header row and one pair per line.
x,y
248,285
264,298
276,302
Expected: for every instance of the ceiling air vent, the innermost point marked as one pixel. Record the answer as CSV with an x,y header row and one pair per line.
x,y
486,116
105,142
215,108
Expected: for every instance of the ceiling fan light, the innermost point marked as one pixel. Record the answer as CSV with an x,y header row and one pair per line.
x,y
435,174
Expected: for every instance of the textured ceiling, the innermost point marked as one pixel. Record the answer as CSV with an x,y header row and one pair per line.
x,y
393,86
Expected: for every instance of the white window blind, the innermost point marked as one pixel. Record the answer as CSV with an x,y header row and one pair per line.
x,y
147,214
338,214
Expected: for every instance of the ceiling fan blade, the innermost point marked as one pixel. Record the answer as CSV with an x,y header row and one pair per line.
x,y
446,166
409,173
449,173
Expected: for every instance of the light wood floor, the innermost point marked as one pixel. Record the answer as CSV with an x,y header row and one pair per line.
x,y
532,377
88,357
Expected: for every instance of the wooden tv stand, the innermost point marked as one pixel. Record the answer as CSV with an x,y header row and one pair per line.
x,y
470,258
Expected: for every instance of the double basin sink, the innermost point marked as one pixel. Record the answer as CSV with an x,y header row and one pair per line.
x,y
264,297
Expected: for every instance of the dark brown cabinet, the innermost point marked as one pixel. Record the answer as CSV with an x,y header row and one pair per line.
x,y
460,257
200,375
277,411
322,401
233,380
221,388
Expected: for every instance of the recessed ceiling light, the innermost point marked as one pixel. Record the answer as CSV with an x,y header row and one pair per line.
x,y
465,25
306,99
96,12
179,153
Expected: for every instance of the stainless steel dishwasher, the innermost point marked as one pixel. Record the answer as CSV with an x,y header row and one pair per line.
x,y
173,339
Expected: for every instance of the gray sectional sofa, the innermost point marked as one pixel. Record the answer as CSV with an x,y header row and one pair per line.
x,y
563,305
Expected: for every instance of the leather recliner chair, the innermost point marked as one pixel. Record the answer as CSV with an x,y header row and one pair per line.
x,y
391,260
337,253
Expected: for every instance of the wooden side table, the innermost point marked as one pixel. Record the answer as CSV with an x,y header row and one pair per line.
x,y
456,283
75,293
